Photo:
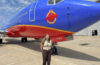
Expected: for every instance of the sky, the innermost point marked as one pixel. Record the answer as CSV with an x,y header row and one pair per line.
x,y
9,8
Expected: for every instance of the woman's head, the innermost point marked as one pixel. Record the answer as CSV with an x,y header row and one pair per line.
x,y
47,37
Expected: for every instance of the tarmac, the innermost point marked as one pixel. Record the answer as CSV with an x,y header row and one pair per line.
x,y
83,50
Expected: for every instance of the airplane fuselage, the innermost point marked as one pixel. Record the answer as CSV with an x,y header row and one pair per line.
x,y
64,18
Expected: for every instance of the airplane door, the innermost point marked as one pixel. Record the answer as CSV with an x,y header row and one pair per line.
x,y
32,11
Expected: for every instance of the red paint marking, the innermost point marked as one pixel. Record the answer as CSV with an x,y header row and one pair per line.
x,y
51,17
32,31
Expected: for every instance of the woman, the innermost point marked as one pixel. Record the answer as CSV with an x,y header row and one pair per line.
x,y
46,45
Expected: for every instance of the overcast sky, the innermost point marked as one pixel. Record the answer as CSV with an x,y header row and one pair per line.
x,y
9,8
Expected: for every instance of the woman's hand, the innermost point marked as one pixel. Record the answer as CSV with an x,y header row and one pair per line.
x,y
50,41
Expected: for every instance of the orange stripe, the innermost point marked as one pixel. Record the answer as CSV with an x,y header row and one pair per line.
x,y
45,28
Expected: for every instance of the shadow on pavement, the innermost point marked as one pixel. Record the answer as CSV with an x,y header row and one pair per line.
x,y
65,52
84,44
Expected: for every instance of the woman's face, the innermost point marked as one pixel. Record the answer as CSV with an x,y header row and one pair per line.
x,y
47,37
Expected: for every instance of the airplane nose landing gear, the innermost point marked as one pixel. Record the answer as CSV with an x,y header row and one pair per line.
x,y
0,41
1,38
24,39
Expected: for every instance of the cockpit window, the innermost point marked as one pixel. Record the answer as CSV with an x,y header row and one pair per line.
x,y
57,1
53,2
50,1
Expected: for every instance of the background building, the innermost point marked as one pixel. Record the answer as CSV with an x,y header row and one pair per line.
x,y
91,30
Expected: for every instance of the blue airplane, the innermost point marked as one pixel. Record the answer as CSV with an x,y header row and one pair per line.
x,y
58,18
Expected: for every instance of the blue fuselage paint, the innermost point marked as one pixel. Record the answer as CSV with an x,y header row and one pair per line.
x,y
73,15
